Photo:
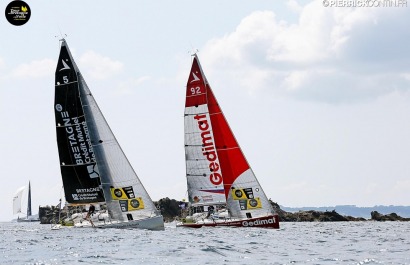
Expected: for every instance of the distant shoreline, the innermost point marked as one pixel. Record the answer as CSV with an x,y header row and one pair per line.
x,y
170,210
355,211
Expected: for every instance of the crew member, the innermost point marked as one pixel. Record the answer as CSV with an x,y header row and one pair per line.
x,y
91,210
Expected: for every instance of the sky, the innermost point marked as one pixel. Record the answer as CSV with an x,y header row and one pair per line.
x,y
317,96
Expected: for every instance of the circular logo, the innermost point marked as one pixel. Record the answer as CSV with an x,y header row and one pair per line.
x,y
18,13
238,193
118,193
135,203
253,202
59,107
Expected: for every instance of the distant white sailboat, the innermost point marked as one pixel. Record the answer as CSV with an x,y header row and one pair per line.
x,y
18,205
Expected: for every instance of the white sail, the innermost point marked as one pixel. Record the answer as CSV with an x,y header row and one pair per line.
x,y
17,200
116,173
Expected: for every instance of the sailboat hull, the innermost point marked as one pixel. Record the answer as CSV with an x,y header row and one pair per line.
x,y
271,221
27,220
155,223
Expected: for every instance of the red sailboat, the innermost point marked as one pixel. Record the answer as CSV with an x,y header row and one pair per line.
x,y
222,188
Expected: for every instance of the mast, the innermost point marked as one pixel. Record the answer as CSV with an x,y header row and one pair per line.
x,y
29,201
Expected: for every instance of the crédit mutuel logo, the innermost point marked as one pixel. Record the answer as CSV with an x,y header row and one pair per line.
x,y
364,3
18,13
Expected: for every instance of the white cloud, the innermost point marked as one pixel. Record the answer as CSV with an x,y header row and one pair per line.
x,y
2,64
34,69
294,6
295,79
330,54
129,86
98,66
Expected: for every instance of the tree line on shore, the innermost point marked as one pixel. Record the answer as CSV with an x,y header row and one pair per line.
x,y
172,209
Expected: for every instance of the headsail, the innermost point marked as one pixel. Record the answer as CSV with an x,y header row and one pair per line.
x,y
214,159
17,200
93,165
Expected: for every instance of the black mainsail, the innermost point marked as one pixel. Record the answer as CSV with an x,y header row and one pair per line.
x,y
77,159
29,200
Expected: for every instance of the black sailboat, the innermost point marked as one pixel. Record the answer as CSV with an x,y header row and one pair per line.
x,y
94,169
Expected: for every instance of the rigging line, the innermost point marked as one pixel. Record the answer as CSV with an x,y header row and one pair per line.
x,y
193,50
61,34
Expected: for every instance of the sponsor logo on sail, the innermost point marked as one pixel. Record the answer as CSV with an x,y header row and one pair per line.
x,y
96,189
89,194
66,67
131,205
208,149
195,77
78,139
122,193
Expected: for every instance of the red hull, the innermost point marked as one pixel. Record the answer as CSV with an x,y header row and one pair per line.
x,y
271,221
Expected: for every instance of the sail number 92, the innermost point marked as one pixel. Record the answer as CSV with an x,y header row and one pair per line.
x,y
195,90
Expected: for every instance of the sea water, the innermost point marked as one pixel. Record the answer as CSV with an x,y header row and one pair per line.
x,y
294,243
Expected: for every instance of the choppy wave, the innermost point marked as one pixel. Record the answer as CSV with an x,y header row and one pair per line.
x,y
294,243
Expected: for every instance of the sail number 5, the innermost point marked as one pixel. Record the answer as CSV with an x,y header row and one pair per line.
x,y
195,90
65,79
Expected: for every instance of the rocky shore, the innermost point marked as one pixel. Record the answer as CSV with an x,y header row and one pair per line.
x,y
172,209
52,214
387,217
